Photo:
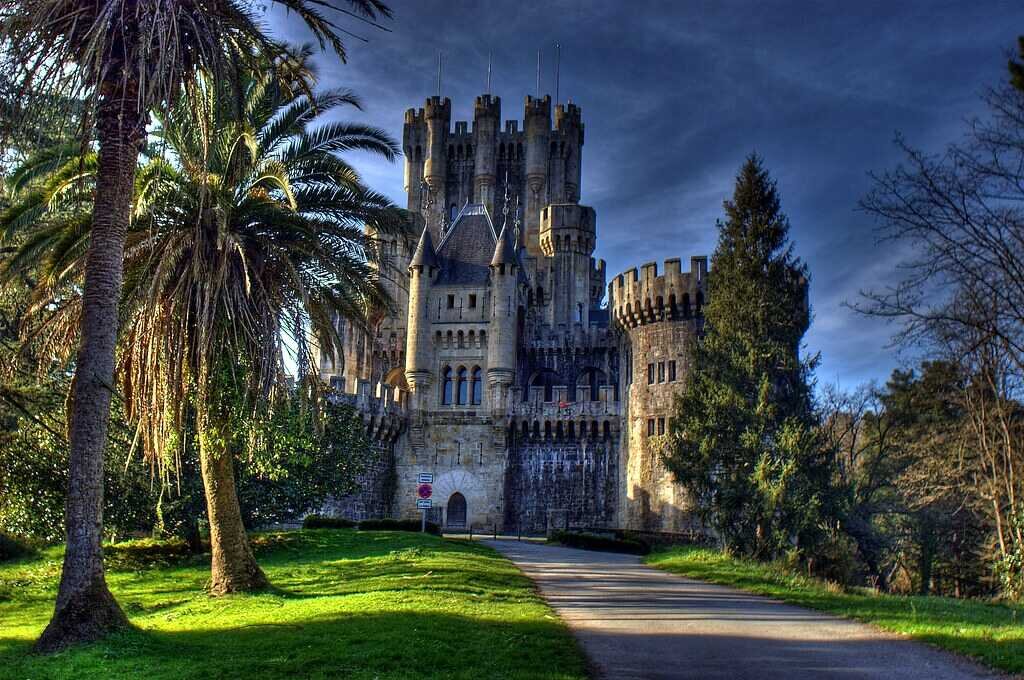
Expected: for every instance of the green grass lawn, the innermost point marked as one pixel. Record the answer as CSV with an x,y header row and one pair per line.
x,y
345,604
991,633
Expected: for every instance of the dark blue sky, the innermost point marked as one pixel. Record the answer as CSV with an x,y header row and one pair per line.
x,y
676,94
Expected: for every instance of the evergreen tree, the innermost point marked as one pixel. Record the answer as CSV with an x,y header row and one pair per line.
x,y
744,440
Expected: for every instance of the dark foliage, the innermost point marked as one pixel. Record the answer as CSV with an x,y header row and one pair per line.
x,y
588,541
12,547
324,522
398,525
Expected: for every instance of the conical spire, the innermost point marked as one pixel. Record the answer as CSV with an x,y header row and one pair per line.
x,y
504,253
425,255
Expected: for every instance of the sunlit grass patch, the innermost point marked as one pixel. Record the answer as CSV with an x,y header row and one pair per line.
x,y
343,604
992,633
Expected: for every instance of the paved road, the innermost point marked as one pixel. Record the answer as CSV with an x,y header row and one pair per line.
x,y
638,622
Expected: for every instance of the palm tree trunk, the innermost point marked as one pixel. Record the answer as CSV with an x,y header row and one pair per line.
x,y
85,609
233,567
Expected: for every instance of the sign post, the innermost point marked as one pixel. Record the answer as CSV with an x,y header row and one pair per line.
x,y
423,492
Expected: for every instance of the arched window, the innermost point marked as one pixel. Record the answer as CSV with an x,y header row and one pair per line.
x,y
463,386
686,305
477,386
446,386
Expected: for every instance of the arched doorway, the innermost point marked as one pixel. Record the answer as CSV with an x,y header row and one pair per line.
x,y
457,511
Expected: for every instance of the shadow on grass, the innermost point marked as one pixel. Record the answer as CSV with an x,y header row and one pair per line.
x,y
359,645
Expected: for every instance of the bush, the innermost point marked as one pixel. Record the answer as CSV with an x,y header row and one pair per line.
x,y
398,525
144,553
586,541
12,547
322,522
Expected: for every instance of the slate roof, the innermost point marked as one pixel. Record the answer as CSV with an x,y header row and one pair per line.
x,y
504,253
424,255
467,247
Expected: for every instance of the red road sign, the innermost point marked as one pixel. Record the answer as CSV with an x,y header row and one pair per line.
x,y
424,490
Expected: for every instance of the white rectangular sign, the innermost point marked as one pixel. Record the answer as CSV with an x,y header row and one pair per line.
x,y
423,504
426,478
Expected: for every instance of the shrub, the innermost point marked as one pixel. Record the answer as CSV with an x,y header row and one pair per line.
x,y
398,525
322,522
147,552
12,547
587,541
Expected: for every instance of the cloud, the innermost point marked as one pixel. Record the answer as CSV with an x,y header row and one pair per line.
x,y
675,95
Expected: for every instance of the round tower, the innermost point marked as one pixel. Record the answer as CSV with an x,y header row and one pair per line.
x,y
657,318
414,145
418,355
486,119
568,232
503,325
438,114
537,123
569,124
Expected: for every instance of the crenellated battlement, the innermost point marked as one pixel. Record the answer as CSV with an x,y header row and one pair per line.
x,y
379,405
487,106
539,107
567,227
643,296
568,121
438,107
414,117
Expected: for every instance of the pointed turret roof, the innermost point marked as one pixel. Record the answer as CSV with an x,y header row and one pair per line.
x,y
504,252
425,255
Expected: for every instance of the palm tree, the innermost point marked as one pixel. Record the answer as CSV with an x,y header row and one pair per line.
x,y
126,58
238,247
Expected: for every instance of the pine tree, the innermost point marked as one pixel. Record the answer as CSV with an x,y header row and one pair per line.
x,y
744,439
1017,67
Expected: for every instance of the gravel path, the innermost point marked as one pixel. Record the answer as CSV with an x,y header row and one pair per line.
x,y
638,622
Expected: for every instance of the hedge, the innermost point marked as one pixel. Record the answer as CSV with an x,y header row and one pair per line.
x,y
587,541
12,547
322,522
398,525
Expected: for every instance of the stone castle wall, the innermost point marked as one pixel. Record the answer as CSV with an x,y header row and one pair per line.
x,y
657,318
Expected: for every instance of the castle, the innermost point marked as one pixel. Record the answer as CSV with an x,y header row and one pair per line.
x,y
503,373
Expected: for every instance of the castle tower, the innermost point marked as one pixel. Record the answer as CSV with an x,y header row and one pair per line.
x,y
486,120
414,142
422,267
657,317
502,336
569,127
567,236
537,121
438,114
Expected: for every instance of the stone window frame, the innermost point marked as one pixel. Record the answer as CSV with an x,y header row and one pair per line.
x,y
650,427
672,371
650,374
476,388
447,393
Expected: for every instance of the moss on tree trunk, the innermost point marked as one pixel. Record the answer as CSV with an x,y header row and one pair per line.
x,y
233,566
